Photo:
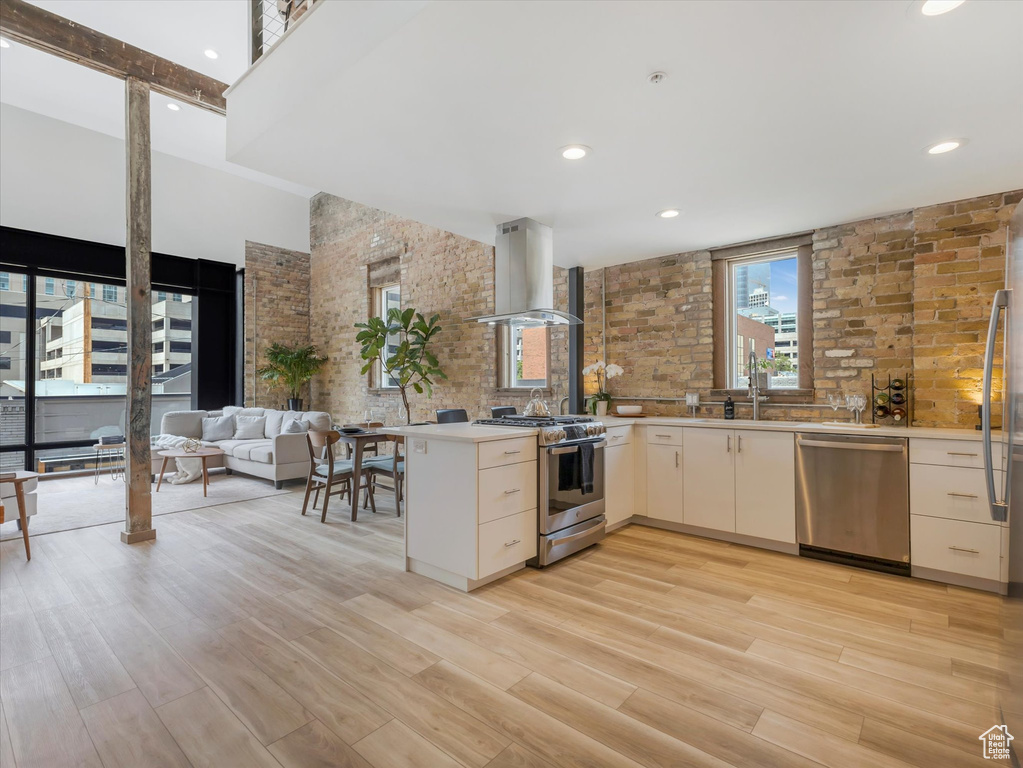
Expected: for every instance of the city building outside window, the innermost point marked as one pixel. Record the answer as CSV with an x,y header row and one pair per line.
x,y
762,316
110,293
50,286
5,281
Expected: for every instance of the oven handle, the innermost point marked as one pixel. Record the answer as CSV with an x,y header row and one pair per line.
x,y
573,448
575,536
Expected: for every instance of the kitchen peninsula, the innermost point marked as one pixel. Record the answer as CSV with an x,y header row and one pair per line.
x,y
472,492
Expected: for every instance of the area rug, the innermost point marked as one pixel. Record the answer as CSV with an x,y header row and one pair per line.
x,y
78,502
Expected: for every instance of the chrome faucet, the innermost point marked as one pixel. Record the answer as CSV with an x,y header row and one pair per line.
x,y
754,381
561,405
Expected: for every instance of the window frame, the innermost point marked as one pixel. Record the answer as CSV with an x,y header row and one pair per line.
x,y
724,314
379,378
506,364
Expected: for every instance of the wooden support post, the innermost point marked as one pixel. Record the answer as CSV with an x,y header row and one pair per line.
x,y
138,523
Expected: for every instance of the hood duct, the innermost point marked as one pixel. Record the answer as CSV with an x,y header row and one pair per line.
x,y
524,277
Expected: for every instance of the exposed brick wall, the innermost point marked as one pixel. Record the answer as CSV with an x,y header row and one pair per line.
x,y
904,293
276,309
441,273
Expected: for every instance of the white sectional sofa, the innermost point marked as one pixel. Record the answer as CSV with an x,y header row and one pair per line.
x,y
274,456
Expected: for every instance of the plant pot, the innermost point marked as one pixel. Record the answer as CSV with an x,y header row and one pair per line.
x,y
602,407
294,403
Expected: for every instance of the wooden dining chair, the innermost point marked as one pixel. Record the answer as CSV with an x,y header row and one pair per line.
x,y
392,466
326,472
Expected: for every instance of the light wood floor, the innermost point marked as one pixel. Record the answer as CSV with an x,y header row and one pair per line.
x,y
247,635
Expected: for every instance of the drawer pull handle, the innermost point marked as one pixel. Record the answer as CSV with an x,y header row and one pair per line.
x,y
676,459
664,436
513,490
616,437
511,453
964,549
513,542
962,495
728,443
959,453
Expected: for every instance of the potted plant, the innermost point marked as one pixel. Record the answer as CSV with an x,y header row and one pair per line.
x,y
601,401
290,368
402,345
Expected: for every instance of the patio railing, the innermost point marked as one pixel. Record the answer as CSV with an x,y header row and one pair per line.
x,y
271,19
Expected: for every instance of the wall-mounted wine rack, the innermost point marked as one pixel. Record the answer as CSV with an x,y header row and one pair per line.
x,y
891,402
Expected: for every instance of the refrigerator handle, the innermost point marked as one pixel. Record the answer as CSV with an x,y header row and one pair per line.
x,y
999,508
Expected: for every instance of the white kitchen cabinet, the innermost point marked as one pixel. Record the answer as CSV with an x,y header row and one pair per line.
x,y
664,482
619,482
954,546
708,478
765,485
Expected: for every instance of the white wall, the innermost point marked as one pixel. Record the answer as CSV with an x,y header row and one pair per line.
x,y
62,179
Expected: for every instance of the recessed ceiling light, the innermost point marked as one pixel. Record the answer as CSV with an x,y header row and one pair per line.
x,y
944,146
938,7
574,152
4,43
211,54
173,107
668,213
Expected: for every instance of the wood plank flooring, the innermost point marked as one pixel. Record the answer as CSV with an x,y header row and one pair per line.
x,y
248,635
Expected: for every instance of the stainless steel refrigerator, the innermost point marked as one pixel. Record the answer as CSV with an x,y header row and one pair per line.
x,y
1005,489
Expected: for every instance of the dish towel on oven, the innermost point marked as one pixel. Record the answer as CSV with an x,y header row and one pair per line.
x,y
575,470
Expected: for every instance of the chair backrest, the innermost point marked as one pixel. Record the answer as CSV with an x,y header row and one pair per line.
x,y
451,415
321,443
497,411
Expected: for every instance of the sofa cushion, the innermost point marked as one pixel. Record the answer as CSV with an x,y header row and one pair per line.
x,y
228,446
249,427
245,449
236,410
318,420
183,423
218,428
263,453
295,426
274,422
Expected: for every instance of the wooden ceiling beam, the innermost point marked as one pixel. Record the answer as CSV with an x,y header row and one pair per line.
x,y
37,28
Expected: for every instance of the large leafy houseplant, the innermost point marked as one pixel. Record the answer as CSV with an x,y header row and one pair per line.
x,y
402,345
290,368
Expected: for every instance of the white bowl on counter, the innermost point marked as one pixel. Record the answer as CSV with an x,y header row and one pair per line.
x,y
629,410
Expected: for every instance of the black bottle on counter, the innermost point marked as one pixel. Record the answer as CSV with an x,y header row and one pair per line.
x,y
729,408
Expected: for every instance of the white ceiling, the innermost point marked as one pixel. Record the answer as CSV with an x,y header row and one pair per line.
x,y
179,30
776,116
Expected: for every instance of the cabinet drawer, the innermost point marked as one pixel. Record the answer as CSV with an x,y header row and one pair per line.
x,y
971,549
664,435
497,453
956,493
618,436
506,542
506,490
951,453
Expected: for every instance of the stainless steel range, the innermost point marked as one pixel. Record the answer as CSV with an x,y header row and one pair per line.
x,y
571,482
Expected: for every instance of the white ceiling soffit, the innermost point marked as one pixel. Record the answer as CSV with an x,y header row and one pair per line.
x,y
775,117
179,30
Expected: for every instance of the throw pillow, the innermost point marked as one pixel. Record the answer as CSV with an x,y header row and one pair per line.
x,y
295,426
249,427
217,428
274,421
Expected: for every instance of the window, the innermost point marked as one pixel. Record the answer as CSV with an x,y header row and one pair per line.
x,y
24,283
108,324
70,288
387,297
5,281
181,346
180,325
762,315
50,286
110,293
157,347
109,346
176,297
158,324
5,363
523,356
161,296
109,370
5,337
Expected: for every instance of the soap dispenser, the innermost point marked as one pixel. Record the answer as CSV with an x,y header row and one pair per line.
x,y
729,408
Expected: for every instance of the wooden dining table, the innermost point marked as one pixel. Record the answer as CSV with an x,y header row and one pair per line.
x,y
358,441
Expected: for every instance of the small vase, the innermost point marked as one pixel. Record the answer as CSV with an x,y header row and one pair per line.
x,y
602,407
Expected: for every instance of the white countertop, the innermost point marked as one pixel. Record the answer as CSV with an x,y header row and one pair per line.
x,y
795,426
461,432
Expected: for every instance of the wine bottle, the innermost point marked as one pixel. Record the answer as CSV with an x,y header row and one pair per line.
x,y
899,414
898,384
898,398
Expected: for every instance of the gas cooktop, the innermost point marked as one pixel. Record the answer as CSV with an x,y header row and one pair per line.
x,y
552,428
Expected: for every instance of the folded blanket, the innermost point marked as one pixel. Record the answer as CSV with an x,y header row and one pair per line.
x,y
188,470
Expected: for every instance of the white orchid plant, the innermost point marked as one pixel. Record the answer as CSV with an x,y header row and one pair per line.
x,y
604,373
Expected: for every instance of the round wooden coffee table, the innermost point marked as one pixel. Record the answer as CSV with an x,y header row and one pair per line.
x,y
179,453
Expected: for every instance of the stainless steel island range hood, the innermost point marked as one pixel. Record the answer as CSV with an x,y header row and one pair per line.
x,y
524,277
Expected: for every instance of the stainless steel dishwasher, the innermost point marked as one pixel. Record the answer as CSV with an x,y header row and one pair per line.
x,y
852,500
